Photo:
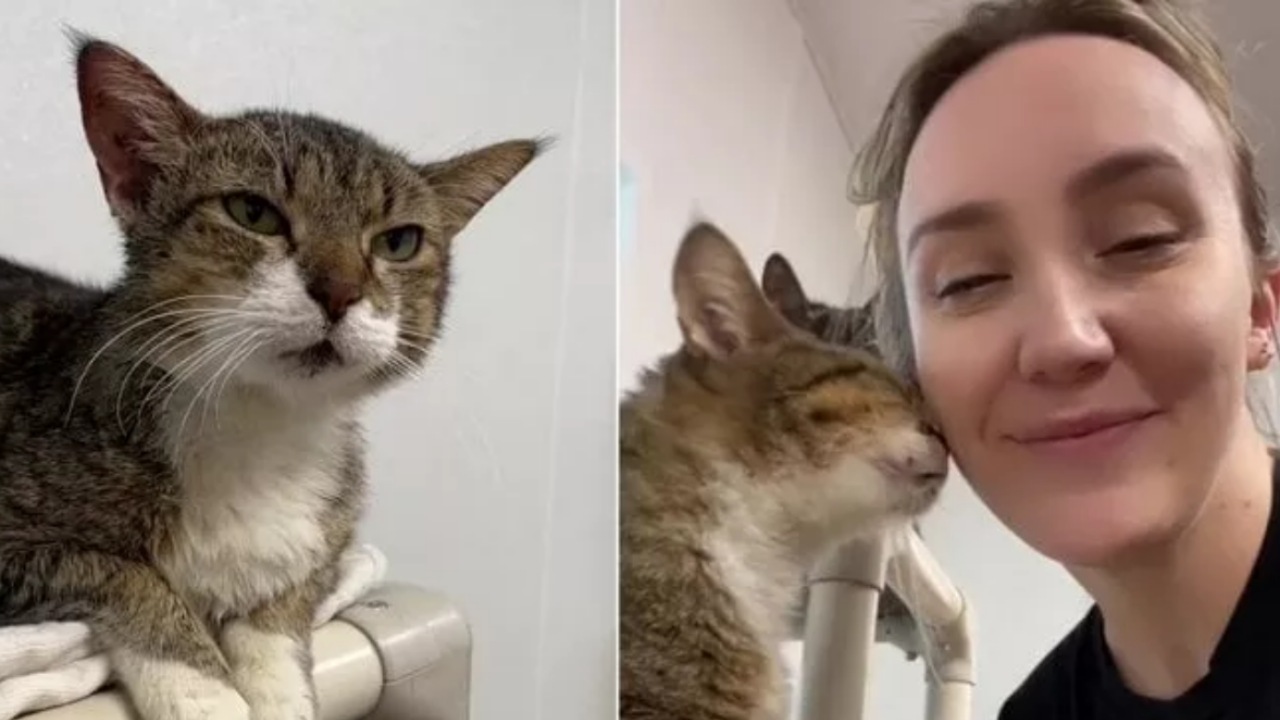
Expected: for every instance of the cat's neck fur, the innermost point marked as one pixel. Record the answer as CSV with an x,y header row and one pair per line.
x,y
712,423
758,563
759,553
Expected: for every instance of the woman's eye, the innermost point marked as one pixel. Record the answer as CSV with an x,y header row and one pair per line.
x,y
398,244
255,214
1144,243
967,284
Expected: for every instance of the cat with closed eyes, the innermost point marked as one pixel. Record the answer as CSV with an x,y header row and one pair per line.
x,y
851,326
744,455
181,463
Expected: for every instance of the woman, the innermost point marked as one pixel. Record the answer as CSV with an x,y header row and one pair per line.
x,y
1076,268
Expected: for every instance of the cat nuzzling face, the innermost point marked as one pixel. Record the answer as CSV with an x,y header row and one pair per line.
x,y
291,251
835,440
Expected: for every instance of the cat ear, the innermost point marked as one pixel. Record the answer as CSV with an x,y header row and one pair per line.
x,y
782,288
134,122
721,310
466,183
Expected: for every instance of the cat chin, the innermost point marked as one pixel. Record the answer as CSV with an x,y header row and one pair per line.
x,y
856,499
304,366
295,382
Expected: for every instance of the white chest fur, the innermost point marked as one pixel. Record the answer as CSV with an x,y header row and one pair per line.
x,y
758,569
255,486
764,581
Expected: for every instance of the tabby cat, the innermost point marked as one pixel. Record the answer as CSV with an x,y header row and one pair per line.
x,y
853,327
745,454
180,457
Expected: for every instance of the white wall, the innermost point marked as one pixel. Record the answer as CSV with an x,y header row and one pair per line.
x,y
478,492
723,116
722,111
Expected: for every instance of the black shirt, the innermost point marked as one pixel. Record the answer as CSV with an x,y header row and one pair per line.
x,y
1078,679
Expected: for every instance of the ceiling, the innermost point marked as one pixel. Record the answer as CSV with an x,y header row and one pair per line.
x,y
860,46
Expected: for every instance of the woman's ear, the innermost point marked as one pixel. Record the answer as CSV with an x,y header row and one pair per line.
x,y
1262,325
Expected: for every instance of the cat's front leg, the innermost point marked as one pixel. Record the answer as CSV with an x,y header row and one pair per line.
x,y
166,689
269,651
162,653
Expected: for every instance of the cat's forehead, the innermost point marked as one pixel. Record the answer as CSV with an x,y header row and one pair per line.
x,y
797,363
802,357
309,161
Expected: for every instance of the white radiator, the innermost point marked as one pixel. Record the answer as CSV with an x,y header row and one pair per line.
x,y
400,653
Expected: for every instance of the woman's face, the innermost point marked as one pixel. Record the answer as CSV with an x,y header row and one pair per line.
x,y
1079,290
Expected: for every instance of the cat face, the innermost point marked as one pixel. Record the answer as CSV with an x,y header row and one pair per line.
x,y
837,437
848,326
289,250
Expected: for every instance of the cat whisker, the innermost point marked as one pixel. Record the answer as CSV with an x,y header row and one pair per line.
x,y
243,358
178,299
414,333
176,376
215,349
414,346
164,338
183,339
123,333
396,362
213,383
407,363
94,358
169,374
237,360
185,369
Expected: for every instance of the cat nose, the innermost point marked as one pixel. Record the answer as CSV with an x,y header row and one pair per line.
x,y
334,297
926,462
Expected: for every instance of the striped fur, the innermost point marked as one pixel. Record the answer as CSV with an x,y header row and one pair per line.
x,y
181,462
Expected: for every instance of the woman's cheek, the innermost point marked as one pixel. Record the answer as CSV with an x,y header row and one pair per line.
x,y
959,369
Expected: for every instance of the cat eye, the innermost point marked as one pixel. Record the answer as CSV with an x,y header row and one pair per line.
x,y
398,244
255,214
822,416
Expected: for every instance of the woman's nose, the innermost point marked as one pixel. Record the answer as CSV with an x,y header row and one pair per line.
x,y
1063,338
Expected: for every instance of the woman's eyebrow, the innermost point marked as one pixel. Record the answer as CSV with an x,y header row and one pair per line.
x,y
1120,166
965,216
1110,170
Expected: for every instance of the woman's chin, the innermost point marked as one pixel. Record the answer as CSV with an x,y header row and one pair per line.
x,y
1100,529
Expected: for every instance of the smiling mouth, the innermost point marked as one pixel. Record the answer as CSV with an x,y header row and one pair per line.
x,y
1082,428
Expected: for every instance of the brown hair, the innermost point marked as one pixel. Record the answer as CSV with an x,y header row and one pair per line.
x,y
1162,28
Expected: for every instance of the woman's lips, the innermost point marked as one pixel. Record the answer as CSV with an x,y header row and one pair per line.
x,y
1084,434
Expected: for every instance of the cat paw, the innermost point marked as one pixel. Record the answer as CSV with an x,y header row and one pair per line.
x,y
266,670
198,701
227,705
165,690
282,708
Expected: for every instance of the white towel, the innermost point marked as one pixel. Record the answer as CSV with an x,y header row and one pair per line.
x,y
51,664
